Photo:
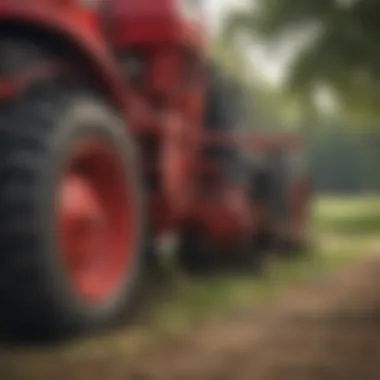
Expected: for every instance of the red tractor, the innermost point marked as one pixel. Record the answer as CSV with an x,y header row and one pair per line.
x,y
116,128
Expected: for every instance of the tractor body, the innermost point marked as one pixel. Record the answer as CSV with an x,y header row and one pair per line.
x,y
139,140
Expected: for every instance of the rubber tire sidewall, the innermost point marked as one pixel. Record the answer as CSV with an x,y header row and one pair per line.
x,y
82,116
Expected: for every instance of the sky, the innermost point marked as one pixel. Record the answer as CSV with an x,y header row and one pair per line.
x,y
270,66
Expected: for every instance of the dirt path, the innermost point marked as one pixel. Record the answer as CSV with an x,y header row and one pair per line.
x,y
326,330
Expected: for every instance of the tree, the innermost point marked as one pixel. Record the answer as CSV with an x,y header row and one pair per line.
x,y
341,52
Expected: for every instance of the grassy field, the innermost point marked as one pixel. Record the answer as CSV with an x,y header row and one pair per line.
x,y
343,230
347,216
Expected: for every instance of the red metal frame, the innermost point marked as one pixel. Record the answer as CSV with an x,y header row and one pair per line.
x,y
152,22
169,106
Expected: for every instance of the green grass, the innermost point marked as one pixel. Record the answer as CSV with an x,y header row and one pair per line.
x,y
358,216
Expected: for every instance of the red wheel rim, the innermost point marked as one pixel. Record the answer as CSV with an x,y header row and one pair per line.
x,y
96,221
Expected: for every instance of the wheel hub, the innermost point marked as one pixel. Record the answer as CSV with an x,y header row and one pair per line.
x,y
96,222
82,220
83,226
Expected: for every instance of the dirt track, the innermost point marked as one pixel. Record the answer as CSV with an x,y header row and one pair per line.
x,y
328,330
325,330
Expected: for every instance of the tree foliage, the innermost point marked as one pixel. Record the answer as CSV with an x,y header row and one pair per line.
x,y
342,160
342,51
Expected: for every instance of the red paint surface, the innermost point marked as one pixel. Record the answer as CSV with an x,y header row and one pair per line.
x,y
96,221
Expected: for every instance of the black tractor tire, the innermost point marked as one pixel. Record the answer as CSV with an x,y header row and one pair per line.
x,y
196,256
39,130
281,173
200,257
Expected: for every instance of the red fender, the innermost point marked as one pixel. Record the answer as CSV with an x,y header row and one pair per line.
x,y
78,27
